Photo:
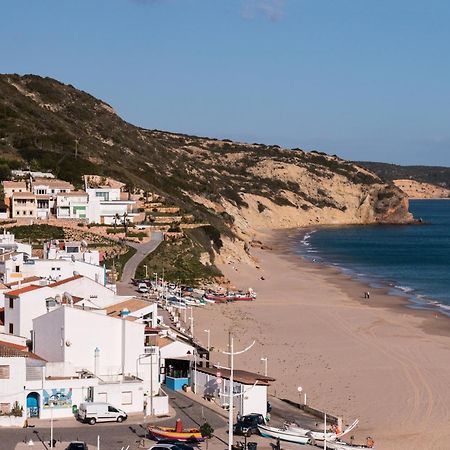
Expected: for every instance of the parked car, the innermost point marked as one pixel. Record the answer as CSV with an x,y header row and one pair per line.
x,y
248,425
93,412
77,445
177,446
143,288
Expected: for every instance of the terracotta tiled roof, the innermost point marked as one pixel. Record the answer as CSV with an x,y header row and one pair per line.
x,y
133,304
54,183
9,350
66,280
23,195
14,184
17,292
22,281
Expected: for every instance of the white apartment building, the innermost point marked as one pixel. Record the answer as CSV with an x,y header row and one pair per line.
x,y
47,390
8,243
16,267
76,250
72,205
22,306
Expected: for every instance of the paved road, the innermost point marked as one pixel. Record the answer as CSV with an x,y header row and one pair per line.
x,y
113,436
124,287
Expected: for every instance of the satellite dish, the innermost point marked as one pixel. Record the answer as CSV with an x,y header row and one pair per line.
x,y
75,273
72,258
84,243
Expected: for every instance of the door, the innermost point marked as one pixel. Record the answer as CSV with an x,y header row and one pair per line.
x,y
33,400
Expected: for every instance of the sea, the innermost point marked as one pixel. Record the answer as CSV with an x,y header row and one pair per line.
x,y
410,260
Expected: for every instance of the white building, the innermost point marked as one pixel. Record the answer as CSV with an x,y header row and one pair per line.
x,y
45,389
8,243
250,388
77,250
16,267
22,306
72,205
16,363
107,346
106,202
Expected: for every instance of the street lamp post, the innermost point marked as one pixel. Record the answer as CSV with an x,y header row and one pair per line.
x,y
208,332
265,366
231,395
191,318
300,390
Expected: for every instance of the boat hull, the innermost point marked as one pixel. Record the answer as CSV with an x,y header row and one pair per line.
x,y
283,435
169,434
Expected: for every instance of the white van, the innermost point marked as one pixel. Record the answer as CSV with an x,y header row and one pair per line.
x,y
93,412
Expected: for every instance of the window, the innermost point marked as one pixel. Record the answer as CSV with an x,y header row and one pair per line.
x,y
4,372
112,409
31,213
5,408
11,303
17,269
127,398
11,329
103,195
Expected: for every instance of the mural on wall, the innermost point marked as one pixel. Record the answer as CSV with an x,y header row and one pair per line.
x,y
57,398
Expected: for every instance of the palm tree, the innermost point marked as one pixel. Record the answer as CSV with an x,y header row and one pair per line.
x,y
116,218
125,222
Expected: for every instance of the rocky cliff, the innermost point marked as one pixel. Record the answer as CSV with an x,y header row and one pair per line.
x,y
238,188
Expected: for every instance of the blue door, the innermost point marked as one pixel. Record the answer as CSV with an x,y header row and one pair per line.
x,y
33,404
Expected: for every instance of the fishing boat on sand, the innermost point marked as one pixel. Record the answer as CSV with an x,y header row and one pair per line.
x,y
320,436
176,433
340,445
283,435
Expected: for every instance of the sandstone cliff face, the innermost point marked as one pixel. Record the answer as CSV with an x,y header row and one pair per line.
x,y
238,188
418,190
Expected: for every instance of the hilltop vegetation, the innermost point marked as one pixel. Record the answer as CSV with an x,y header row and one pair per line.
x,y
439,176
236,188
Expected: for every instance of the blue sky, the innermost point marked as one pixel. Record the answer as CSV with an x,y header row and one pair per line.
x,y
364,79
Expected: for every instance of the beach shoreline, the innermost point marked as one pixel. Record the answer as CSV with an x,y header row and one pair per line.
x,y
374,359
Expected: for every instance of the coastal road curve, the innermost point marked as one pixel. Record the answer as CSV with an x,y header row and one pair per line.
x,y
129,270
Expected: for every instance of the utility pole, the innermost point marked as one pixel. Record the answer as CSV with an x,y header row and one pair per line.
x,y
76,147
231,394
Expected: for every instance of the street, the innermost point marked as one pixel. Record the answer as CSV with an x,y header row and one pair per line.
x,y
114,436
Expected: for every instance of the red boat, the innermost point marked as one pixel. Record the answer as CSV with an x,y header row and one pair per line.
x,y
175,434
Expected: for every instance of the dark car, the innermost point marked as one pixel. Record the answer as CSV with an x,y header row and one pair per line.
x,y
248,425
77,446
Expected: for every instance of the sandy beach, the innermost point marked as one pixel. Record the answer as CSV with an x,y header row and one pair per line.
x,y
375,360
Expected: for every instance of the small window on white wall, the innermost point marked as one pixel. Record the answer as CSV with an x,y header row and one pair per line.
x,y
5,408
4,372
127,398
102,397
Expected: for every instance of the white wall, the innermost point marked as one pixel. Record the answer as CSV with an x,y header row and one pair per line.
x,y
114,394
11,390
25,308
87,288
59,269
84,331
253,400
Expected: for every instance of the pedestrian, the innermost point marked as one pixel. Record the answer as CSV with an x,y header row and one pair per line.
x,y
368,295
238,417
